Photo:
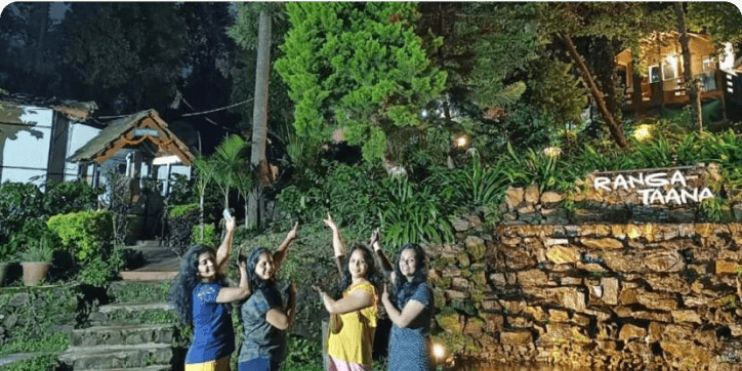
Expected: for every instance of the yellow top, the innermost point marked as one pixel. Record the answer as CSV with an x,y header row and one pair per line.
x,y
355,341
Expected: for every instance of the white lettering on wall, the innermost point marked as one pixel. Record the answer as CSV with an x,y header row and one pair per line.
x,y
654,190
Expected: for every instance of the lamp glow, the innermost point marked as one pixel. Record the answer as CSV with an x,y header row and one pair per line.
x,y
552,152
438,351
643,132
461,141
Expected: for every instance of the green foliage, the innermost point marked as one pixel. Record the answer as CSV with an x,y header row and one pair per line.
x,y
180,222
18,203
124,53
303,355
67,197
181,190
356,67
210,237
231,164
179,211
474,186
40,251
86,234
32,234
46,362
33,316
412,213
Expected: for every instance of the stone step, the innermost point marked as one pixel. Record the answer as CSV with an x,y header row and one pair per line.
x,y
143,292
117,357
123,335
134,313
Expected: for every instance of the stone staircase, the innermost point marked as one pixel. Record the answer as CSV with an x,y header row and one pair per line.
x,y
161,263
138,330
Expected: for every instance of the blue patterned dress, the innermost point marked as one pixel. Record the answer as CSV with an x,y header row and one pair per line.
x,y
408,347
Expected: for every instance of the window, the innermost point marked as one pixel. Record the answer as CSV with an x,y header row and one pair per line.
x,y
670,67
654,74
709,63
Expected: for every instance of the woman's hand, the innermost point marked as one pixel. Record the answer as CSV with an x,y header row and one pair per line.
x,y
330,223
374,240
229,224
385,294
293,233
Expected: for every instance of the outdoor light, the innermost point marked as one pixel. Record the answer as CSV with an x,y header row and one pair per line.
x,y
462,141
643,132
633,232
552,152
439,352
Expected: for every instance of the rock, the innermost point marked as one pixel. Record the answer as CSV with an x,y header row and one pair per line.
x,y
610,290
532,194
494,323
596,291
628,296
460,224
475,247
498,279
654,332
629,331
516,338
726,267
449,322
555,241
514,197
460,283
532,277
667,283
551,197
602,243
536,312
665,262
686,316
454,295
562,254
474,221
556,315
571,298
659,301
595,230
474,326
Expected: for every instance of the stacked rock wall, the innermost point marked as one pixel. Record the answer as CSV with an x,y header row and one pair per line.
x,y
595,285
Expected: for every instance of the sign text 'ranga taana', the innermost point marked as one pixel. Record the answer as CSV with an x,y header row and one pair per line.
x,y
652,187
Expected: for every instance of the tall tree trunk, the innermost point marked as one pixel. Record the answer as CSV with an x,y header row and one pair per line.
x,y
692,85
615,127
43,28
260,116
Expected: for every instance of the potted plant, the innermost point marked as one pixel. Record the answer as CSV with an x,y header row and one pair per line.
x,y
36,260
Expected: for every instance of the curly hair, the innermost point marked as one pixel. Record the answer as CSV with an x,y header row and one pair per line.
x,y
181,293
402,287
257,283
371,274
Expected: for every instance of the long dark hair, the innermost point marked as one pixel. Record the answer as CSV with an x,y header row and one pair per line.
x,y
402,287
371,273
181,294
257,283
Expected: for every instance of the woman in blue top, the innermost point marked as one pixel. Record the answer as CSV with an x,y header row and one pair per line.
x,y
265,318
410,308
201,300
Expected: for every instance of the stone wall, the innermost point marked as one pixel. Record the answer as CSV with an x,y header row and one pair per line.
x,y
610,291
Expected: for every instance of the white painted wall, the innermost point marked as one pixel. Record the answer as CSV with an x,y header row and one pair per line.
x,y
78,135
30,150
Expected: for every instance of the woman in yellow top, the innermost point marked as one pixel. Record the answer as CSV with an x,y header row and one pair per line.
x,y
350,347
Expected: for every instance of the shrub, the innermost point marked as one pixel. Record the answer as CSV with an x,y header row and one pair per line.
x,y
85,234
67,197
181,220
19,202
32,234
210,237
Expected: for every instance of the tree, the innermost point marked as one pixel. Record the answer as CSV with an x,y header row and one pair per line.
x,y
230,160
123,55
205,171
358,70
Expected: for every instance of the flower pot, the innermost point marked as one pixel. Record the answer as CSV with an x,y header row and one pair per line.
x,y
3,270
34,272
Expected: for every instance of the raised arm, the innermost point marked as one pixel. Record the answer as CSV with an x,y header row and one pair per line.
x,y
232,294
353,302
281,318
403,318
384,264
283,248
337,244
225,249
